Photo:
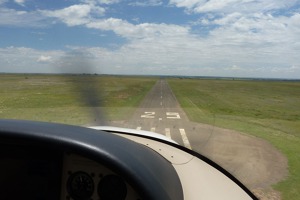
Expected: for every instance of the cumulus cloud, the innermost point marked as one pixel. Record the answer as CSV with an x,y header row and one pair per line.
x,y
146,3
140,31
98,7
229,6
73,15
108,1
101,1
28,60
188,4
257,30
44,59
247,43
251,39
12,17
234,68
20,2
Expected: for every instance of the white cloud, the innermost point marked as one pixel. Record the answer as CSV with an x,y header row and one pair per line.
x,y
20,2
247,43
44,59
22,59
188,4
140,31
73,15
146,3
230,18
108,1
229,6
294,68
99,3
234,68
11,17
252,43
258,30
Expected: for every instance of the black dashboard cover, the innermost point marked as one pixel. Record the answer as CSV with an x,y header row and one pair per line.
x,y
152,176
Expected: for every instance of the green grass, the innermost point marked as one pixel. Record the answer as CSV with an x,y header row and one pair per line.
x,y
266,109
66,99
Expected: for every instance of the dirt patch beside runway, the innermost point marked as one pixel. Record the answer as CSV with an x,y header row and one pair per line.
x,y
253,161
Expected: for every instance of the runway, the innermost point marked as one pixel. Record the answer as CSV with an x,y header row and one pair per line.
x,y
253,161
160,112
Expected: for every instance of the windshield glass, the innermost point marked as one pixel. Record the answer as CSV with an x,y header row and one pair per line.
x,y
221,78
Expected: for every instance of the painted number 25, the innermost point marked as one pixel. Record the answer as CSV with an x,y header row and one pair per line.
x,y
170,115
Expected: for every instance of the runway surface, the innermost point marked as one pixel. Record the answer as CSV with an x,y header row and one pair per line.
x,y
253,161
161,113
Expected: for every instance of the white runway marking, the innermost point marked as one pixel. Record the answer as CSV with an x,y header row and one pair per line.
x,y
148,115
173,115
168,133
161,103
160,118
185,139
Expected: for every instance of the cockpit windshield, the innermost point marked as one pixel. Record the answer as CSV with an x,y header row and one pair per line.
x,y
221,78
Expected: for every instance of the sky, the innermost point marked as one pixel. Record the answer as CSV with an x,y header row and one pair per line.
x,y
230,38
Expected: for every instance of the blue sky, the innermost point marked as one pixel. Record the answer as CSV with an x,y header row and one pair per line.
x,y
239,38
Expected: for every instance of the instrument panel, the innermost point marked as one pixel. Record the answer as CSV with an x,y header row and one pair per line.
x,y
86,179
47,174
40,160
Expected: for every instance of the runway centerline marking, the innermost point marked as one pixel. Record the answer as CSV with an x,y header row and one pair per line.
x,y
168,133
185,139
138,128
153,129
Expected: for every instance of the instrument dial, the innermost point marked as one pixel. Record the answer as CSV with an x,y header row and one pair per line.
x,y
80,185
112,187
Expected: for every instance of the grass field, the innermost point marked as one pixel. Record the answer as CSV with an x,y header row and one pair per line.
x,y
266,109
63,99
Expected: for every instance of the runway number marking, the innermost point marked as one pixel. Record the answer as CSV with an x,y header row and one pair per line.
x,y
170,115
173,115
149,115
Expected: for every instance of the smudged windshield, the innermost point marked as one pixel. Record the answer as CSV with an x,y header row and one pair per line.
x,y
221,78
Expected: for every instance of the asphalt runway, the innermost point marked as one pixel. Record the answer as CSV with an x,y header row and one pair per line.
x,y
253,161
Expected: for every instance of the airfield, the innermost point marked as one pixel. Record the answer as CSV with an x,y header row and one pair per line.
x,y
252,160
253,143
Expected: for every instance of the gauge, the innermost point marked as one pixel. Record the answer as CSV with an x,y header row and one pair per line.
x,y
112,187
80,185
